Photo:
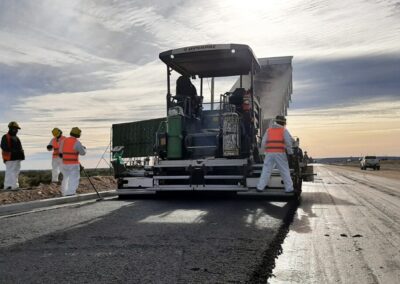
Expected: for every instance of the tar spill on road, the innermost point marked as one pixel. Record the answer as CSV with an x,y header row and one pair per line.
x,y
264,270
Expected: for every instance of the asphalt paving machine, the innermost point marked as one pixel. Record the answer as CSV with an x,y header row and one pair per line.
x,y
214,145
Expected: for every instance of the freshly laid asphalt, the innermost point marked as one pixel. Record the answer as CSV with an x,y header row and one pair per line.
x,y
191,239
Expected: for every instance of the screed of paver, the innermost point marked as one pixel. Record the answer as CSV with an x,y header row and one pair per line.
x,y
344,232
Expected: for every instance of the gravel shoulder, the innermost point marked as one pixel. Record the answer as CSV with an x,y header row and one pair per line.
x,y
44,191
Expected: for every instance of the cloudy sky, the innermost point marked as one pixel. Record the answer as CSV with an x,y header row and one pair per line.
x,y
94,63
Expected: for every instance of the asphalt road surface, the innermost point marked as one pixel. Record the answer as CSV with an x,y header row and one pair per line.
x,y
215,239
346,230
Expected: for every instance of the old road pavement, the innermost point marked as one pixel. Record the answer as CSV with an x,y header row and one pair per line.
x,y
346,230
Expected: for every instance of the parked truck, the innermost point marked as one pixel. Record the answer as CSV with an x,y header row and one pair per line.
x,y
213,145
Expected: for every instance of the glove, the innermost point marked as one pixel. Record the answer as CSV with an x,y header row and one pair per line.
x,y
49,147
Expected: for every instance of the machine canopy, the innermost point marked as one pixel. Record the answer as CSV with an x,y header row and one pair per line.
x,y
212,60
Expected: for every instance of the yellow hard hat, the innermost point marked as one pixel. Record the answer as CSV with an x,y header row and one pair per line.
x,y
56,132
13,124
75,131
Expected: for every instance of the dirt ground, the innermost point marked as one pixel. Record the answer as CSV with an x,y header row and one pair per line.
x,y
44,191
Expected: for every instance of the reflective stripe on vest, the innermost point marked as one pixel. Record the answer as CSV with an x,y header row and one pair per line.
x,y
275,142
56,146
70,155
7,155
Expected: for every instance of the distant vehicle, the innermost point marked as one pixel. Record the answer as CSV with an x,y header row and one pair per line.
x,y
370,162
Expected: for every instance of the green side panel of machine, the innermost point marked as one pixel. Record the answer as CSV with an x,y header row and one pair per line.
x,y
138,138
174,131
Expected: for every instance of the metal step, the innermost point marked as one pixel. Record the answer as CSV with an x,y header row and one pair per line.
x,y
170,177
223,177
201,134
211,130
200,147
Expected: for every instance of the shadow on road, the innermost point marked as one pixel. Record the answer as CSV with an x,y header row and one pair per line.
x,y
310,200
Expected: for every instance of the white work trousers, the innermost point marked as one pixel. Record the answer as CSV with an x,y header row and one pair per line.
x,y
281,162
70,182
12,173
56,164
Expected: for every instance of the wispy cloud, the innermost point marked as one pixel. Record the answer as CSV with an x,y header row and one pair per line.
x,y
346,81
94,63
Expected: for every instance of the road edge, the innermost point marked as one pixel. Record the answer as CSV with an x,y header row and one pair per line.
x,y
264,271
21,207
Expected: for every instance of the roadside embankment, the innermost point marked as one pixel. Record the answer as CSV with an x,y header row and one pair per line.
x,y
51,190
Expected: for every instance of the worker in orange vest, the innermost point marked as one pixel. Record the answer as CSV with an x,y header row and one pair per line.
x,y
56,161
13,154
70,149
276,141
246,105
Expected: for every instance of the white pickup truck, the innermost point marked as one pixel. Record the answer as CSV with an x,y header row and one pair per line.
x,y
370,162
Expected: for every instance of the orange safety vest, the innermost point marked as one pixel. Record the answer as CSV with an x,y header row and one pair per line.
x,y
275,142
7,155
56,146
70,155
